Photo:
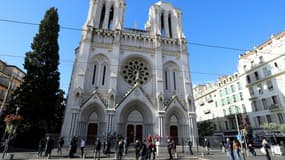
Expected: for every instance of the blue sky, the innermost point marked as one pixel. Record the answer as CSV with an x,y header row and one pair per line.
x,y
236,24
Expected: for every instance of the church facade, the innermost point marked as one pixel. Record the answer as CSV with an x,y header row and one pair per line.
x,y
131,82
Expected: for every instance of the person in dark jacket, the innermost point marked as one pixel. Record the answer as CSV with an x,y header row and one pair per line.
x,y
72,147
42,145
169,148
190,144
137,149
97,148
49,146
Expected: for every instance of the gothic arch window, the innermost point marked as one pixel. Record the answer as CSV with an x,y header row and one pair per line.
x,y
166,80
102,17
103,74
174,80
171,75
169,25
94,73
98,72
111,17
162,28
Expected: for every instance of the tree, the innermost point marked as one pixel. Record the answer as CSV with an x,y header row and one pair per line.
x,y
39,97
206,128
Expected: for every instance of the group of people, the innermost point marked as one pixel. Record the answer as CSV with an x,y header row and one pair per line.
x,y
233,149
46,146
146,149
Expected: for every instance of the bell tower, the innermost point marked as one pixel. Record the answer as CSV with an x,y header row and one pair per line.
x,y
106,14
165,20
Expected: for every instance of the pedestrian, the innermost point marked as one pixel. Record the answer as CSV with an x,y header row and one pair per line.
x,y
97,148
60,145
174,148
137,149
169,148
82,146
229,149
236,148
72,147
49,146
42,145
149,147
251,149
126,145
206,146
190,144
266,146
143,150
154,149
120,149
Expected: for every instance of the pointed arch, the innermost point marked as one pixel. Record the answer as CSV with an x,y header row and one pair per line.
x,y
102,16
170,25
111,18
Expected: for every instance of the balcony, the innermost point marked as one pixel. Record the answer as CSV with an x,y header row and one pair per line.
x,y
274,107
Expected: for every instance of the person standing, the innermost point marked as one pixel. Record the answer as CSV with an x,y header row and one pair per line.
x,y
126,145
236,148
120,149
49,147
42,145
190,144
207,146
73,147
137,149
229,149
143,151
82,146
97,148
266,146
59,146
169,148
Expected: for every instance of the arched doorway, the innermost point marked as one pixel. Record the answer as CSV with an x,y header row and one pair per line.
x,y
92,133
174,128
92,129
134,127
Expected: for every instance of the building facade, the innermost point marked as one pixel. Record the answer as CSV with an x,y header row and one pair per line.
x,y
131,82
262,70
11,77
255,94
223,104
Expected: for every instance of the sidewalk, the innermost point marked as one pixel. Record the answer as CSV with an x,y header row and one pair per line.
x,y
163,155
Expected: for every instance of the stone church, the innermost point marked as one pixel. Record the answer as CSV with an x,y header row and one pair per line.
x,y
131,82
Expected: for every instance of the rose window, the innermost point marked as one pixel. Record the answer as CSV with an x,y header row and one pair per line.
x,y
136,70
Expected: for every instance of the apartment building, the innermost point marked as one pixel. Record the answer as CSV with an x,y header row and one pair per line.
x,y
222,103
262,70
256,93
11,77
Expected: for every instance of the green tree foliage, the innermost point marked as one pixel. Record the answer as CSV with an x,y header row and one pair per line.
x,y
206,128
270,126
39,97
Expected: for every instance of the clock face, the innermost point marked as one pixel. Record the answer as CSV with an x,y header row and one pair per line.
x,y
136,70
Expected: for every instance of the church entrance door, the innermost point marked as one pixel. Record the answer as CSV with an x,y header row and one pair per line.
x,y
134,132
174,133
92,133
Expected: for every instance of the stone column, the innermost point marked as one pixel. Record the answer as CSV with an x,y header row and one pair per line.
x,y
109,127
162,126
166,24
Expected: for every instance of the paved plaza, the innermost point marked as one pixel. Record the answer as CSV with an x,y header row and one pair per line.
x,y
215,154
